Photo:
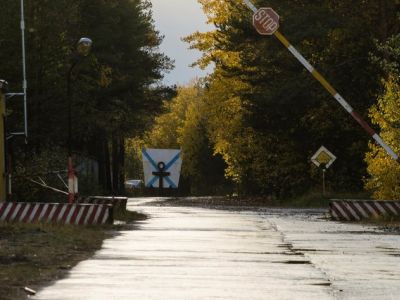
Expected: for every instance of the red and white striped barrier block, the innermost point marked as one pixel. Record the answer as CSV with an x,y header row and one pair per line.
x,y
55,213
356,210
116,202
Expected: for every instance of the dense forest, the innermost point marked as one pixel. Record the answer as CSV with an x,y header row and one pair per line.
x,y
250,127
116,89
256,121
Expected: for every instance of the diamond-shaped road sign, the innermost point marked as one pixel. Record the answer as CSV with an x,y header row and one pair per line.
x,y
162,168
323,157
266,21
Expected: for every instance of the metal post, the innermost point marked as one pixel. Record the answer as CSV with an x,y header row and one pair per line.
x,y
24,82
2,148
71,171
323,182
83,48
71,181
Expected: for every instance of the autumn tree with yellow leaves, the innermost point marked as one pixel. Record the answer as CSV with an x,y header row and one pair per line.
x,y
267,116
384,180
259,116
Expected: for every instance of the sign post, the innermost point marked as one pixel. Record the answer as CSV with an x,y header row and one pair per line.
x,y
72,182
2,143
266,22
323,158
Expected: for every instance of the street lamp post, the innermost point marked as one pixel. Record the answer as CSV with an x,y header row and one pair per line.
x,y
83,48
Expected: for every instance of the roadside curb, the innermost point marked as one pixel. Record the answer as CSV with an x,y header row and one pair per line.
x,y
56,213
357,210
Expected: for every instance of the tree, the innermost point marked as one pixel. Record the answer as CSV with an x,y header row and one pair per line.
x,y
184,125
283,114
116,90
384,172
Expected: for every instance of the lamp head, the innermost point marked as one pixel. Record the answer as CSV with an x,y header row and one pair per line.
x,y
84,46
3,85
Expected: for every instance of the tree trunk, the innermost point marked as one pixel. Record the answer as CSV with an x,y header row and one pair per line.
x,y
121,180
115,165
107,165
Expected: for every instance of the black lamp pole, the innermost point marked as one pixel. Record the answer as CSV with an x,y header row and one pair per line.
x,y
83,48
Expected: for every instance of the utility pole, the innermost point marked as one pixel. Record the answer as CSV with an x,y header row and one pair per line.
x,y
82,49
3,87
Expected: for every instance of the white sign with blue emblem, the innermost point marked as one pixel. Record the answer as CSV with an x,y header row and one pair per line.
x,y
162,168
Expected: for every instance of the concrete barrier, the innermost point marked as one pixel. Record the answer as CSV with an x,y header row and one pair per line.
x,y
356,210
56,213
119,203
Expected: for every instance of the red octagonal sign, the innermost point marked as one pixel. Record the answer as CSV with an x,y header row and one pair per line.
x,y
266,21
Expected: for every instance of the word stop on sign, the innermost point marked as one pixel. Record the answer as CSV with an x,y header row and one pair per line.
x,y
266,21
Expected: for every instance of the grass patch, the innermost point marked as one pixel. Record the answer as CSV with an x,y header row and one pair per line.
x,y
388,223
34,255
31,255
128,216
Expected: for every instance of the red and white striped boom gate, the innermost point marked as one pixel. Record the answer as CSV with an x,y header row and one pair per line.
x,y
266,21
118,203
356,210
55,213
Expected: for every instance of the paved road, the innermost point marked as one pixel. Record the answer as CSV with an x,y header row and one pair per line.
x,y
192,253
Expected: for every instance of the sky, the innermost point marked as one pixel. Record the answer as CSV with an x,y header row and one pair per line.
x,y
176,19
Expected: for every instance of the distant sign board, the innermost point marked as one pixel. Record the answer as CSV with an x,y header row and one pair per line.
x,y
323,157
162,168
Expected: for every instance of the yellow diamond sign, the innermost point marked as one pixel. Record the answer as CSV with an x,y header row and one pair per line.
x,y
323,157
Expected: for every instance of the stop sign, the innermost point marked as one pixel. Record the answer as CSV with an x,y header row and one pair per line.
x,y
266,21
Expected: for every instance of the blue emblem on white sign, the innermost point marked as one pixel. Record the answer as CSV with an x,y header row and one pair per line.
x,y
162,167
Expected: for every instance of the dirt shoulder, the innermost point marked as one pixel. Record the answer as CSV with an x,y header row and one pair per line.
x,y
35,255
213,202
243,203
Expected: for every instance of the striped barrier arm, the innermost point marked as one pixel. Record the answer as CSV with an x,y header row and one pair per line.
x,y
55,213
356,210
329,88
116,202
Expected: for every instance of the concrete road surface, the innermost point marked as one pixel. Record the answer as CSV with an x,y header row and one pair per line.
x,y
193,253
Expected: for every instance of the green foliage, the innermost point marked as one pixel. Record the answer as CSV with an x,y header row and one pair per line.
x,y
36,166
258,118
133,164
48,166
115,91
